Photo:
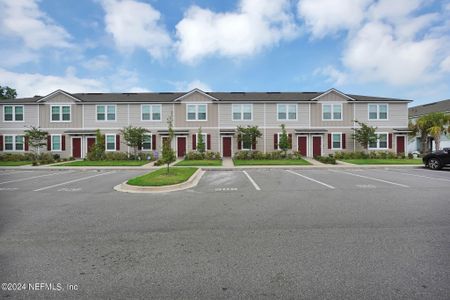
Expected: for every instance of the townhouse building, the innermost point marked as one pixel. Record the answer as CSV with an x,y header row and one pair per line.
x,y
318,123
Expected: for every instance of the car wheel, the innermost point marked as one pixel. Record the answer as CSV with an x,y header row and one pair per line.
x,y
434,164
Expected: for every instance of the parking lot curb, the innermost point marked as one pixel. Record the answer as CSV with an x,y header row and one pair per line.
x,y
190,183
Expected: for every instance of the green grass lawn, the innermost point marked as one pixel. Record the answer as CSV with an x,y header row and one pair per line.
x,y
7,163
201,162
104,163
395,161
269,162
160,177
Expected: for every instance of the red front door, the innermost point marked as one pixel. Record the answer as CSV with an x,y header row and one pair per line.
x,y
400,144
302,145
181,146
90,143
317,146
76,147
226,146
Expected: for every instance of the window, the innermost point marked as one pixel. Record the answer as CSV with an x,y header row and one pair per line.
x,y
13,113
331,111
150,112
337,137
246,145
110,140
242,112
287,112
56,142
378,111
147,142
205,141
60,113
106,112
14,142
196,112
381,142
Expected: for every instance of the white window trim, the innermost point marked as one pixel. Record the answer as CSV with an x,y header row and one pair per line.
x,y
378,112
332,111
242,112
340,141
151,112
60,143
61,113
378,142
278,140
196,112
106,142
13,143
14,113
287,112
151,142
205,140
106,113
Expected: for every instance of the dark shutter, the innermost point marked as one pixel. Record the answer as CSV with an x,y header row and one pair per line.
x,y
343,141
254,145
49,142
275,141
239,141
117,142
1,142
208,142
390,140
194,142
290,140
26,143
329,141
63,143
154,142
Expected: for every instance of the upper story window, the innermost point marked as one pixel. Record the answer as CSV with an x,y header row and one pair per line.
x,y
196,112
381,142
242,112
332,112
106,112
287,112
14,142
60,113
378,111
150,112
13,113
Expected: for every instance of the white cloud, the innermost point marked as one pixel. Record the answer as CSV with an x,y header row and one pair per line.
x,y
28,84
336,77
445,65
17,57
99,62
184,86
135,24
24,19
255,25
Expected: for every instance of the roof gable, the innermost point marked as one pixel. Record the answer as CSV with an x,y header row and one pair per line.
x,y
331,91
193,93
59,93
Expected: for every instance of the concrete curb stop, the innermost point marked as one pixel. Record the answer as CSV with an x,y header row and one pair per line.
x,y
190,183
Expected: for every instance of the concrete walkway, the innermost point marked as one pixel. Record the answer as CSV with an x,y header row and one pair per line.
x,y
227,162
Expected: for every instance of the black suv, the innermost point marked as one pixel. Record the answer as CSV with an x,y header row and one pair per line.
x,y
438,159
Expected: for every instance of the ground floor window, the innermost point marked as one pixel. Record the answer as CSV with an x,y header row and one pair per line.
x,y
147,142
337,137
56,142
14,142
110,142
381,142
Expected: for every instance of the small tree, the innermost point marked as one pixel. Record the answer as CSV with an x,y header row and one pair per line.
x,y
36,139
439,125
248,135
168,155
134,136
421,127
365,134
283,143
7,93
97,151
200,141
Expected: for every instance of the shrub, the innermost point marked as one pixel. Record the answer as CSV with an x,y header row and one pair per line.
x,y
158,163
193,155
56,156
331,160
16,157
46,158
116,156
196,155
410,156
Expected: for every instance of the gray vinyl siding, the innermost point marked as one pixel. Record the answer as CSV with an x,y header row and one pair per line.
x,y
180,118
135,116
226,116
90,117
30,115
316,116
75,117
397,115
302,116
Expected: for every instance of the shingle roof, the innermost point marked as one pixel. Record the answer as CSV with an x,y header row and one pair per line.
x,y
222,96
441,106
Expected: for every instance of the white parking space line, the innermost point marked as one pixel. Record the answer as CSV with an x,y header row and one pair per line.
x,y
311,179
34,177
252,181
72,181
416,175
371,178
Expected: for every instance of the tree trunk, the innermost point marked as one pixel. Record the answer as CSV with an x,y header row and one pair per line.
x,y
437,142
424,142
168,168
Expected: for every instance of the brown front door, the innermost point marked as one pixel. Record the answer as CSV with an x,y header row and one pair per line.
x,y
303,145
181,146
76,147
226,146
400,144
317,146
90,143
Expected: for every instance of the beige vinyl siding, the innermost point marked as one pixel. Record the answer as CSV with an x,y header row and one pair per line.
x,y
180,116
75,116
30,115
59,98
302,116
316,116
226,116
135,116
215,146
397,115
90,117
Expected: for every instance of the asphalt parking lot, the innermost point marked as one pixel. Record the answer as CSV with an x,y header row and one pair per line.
x,y
259,233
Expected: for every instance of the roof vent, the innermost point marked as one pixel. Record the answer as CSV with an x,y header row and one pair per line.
x,y
273,93
166,93
241,93
37,96
94,93
309,92
128,94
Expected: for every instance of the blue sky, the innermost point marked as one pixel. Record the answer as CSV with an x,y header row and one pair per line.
x,y
387,48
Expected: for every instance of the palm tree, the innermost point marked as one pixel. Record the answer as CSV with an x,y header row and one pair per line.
x,y
439,124
421,128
